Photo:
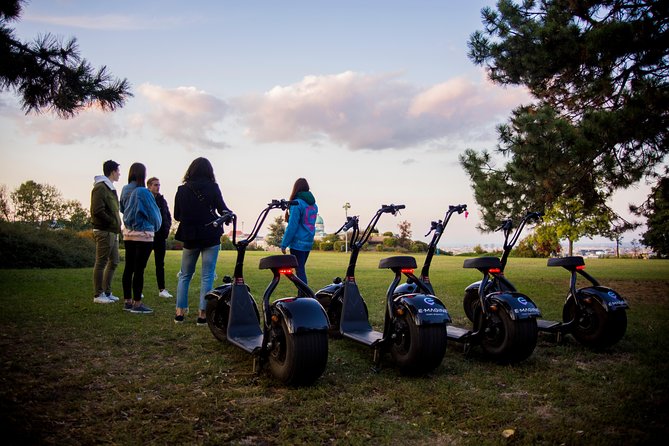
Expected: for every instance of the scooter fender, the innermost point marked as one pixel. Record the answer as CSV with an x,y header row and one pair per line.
x,y
219,292
474,286
302,314
517,305
324,295
609,299
405,288
425,309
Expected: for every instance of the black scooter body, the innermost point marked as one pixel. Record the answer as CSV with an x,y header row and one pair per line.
x,y
595,315
292,334
414,323
506,338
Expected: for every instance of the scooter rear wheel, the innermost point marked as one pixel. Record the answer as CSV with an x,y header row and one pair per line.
x,y
417,350
217,313
595,327
297,359
509,341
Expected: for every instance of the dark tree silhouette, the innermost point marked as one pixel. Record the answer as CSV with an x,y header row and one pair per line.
x,y
50,75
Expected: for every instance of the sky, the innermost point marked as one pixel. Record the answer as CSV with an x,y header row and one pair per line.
x,y
371,101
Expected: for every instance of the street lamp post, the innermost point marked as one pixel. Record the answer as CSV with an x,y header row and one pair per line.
x,y
346,206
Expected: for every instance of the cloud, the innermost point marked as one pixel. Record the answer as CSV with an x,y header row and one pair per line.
x,y
46,128
374,111
108,22
185,115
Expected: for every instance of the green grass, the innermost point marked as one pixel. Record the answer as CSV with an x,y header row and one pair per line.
x,y
74,372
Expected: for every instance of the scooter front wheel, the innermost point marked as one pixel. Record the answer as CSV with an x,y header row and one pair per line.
x,y
217,313
417,350
507,340
470,302
297,359
594,326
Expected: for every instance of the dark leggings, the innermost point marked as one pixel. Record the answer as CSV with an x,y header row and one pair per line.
x,y
159,257
301,257
136,257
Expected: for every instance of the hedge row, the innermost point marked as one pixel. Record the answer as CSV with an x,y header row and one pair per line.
x,y
25,246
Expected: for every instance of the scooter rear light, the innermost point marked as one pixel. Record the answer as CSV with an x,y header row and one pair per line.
x,y
580,267
286,271
407,270
494,270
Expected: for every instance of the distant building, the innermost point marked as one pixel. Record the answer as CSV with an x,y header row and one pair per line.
x,y
320,228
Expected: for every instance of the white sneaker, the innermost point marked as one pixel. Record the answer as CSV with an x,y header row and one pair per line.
x,y
164,293
102,299
113,298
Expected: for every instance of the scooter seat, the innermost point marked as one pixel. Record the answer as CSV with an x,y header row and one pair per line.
x,y
281,261
483,263
398,262
567,261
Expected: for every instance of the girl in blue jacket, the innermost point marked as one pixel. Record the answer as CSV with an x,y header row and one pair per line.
x,y
141,219
299,235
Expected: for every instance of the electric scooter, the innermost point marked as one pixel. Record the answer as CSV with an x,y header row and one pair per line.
x,y
293,333
501,284
438,228
414,328
504,322
595,316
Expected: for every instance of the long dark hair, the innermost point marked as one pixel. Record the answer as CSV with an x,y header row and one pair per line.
x,y
301,185
137,173
200,169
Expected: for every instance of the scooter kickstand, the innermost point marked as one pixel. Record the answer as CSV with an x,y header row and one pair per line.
x,y
376,368
257,364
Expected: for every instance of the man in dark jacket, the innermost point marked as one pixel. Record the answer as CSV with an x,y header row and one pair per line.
x,y
160,236
106,229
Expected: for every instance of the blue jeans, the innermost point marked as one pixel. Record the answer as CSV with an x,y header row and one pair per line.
x,y
188,261
301,257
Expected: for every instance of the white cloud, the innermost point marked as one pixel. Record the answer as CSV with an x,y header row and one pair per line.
x,y
47,128
107,22
375,112
185,115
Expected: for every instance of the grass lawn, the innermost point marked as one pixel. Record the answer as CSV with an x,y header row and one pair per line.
x,y
75,372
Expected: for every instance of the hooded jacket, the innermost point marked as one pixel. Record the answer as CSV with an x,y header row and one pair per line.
x,y
301,227
104,206
140,211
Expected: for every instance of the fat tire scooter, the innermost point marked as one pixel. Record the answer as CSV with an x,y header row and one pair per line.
x,y
504,322
293,334
414,329
595,315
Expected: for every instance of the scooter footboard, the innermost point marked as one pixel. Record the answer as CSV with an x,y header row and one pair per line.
x,y
608,298
425,309
518,305
302,314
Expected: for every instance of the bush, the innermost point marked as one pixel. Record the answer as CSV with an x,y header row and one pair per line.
x,y
25,246
326,246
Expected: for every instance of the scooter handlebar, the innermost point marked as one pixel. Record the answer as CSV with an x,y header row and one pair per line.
x,y
282,204
459,208
350,222
224,219
391,208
